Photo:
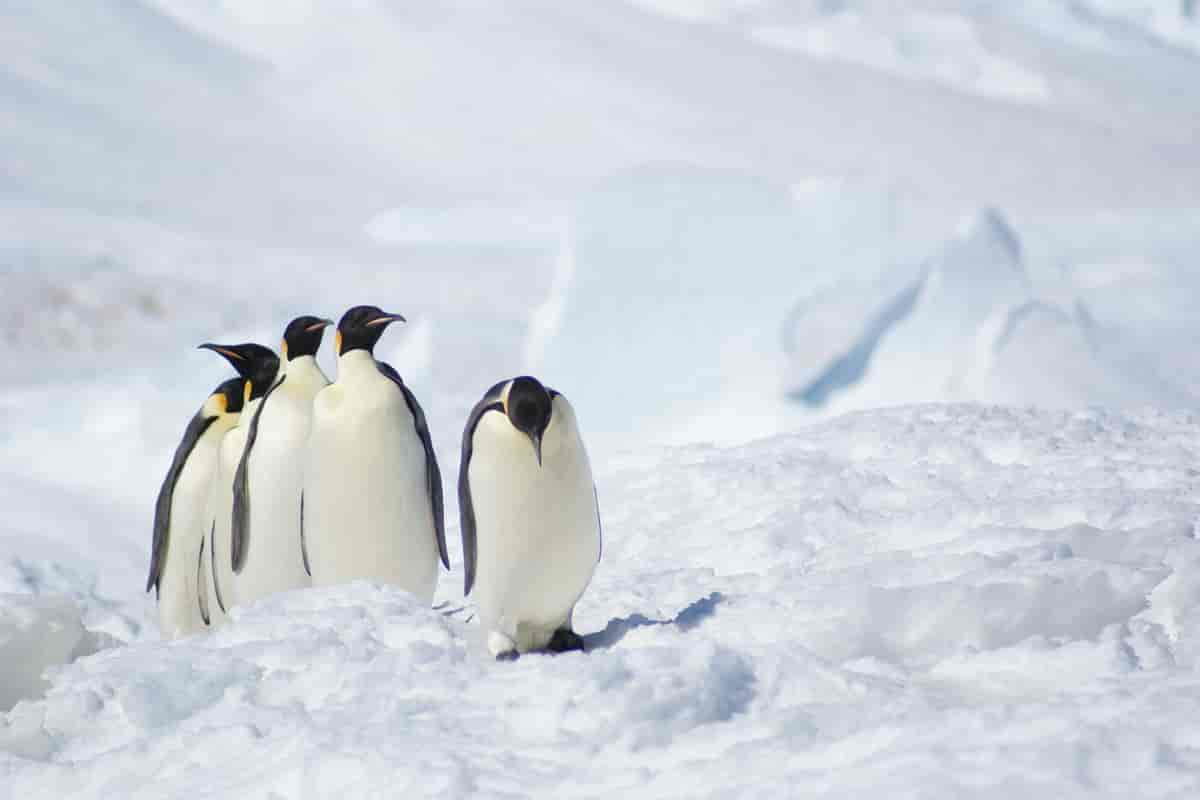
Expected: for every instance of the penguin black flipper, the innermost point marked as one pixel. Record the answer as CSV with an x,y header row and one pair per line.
x,y
162,507
599,524
490,402
241,491
433,475
303,542
202,586
216,581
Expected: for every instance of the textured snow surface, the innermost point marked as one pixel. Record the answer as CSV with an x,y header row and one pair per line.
x,y
930,601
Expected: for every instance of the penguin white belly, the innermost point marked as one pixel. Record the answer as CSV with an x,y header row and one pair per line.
x,y
275,478
367,512
178,612
219,520
537,529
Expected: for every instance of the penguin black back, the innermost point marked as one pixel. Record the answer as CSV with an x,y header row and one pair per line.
x,y
231,394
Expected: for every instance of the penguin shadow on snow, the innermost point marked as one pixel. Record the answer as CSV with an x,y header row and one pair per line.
x,y
688,618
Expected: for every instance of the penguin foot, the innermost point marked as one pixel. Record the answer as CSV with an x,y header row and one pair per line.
x,y
564,640
504,648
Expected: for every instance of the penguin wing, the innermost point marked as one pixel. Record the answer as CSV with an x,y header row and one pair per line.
x,y
466,508
162,507
303,541
433,475
599,524
241,488
212,561
202,585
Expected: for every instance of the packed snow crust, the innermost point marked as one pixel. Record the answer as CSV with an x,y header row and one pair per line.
x,y
931,601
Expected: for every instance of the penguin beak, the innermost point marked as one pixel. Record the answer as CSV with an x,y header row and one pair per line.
x,y
237,359
385,319
229,353
316,326
537,447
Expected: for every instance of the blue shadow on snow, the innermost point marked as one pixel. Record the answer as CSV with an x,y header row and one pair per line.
x,y
687,619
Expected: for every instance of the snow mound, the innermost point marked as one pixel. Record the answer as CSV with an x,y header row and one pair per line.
x,y
934,600
969,327
37,633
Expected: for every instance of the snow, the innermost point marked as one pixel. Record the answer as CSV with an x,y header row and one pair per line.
x,y
879,322
938,47
933,600
36,633
972,326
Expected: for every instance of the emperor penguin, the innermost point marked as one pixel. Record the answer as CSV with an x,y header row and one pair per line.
x,y
258,366
372,503
179,511
269,479
530,519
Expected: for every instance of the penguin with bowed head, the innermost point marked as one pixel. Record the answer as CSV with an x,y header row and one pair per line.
x,y
265,543
258,366
372,503
529,517
179,511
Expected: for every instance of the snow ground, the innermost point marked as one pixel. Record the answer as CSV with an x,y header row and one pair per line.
x,y
676,212
935,601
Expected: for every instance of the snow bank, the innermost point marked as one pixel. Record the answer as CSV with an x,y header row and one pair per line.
x,y
936,601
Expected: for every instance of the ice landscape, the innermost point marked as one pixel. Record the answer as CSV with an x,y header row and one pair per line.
x,y
878,319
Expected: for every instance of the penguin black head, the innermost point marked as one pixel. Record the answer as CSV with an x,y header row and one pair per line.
x,y
302,337
230,395
361,327
528,407
257,364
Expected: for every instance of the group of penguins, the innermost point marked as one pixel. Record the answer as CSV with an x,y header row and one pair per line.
x,y
285,480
